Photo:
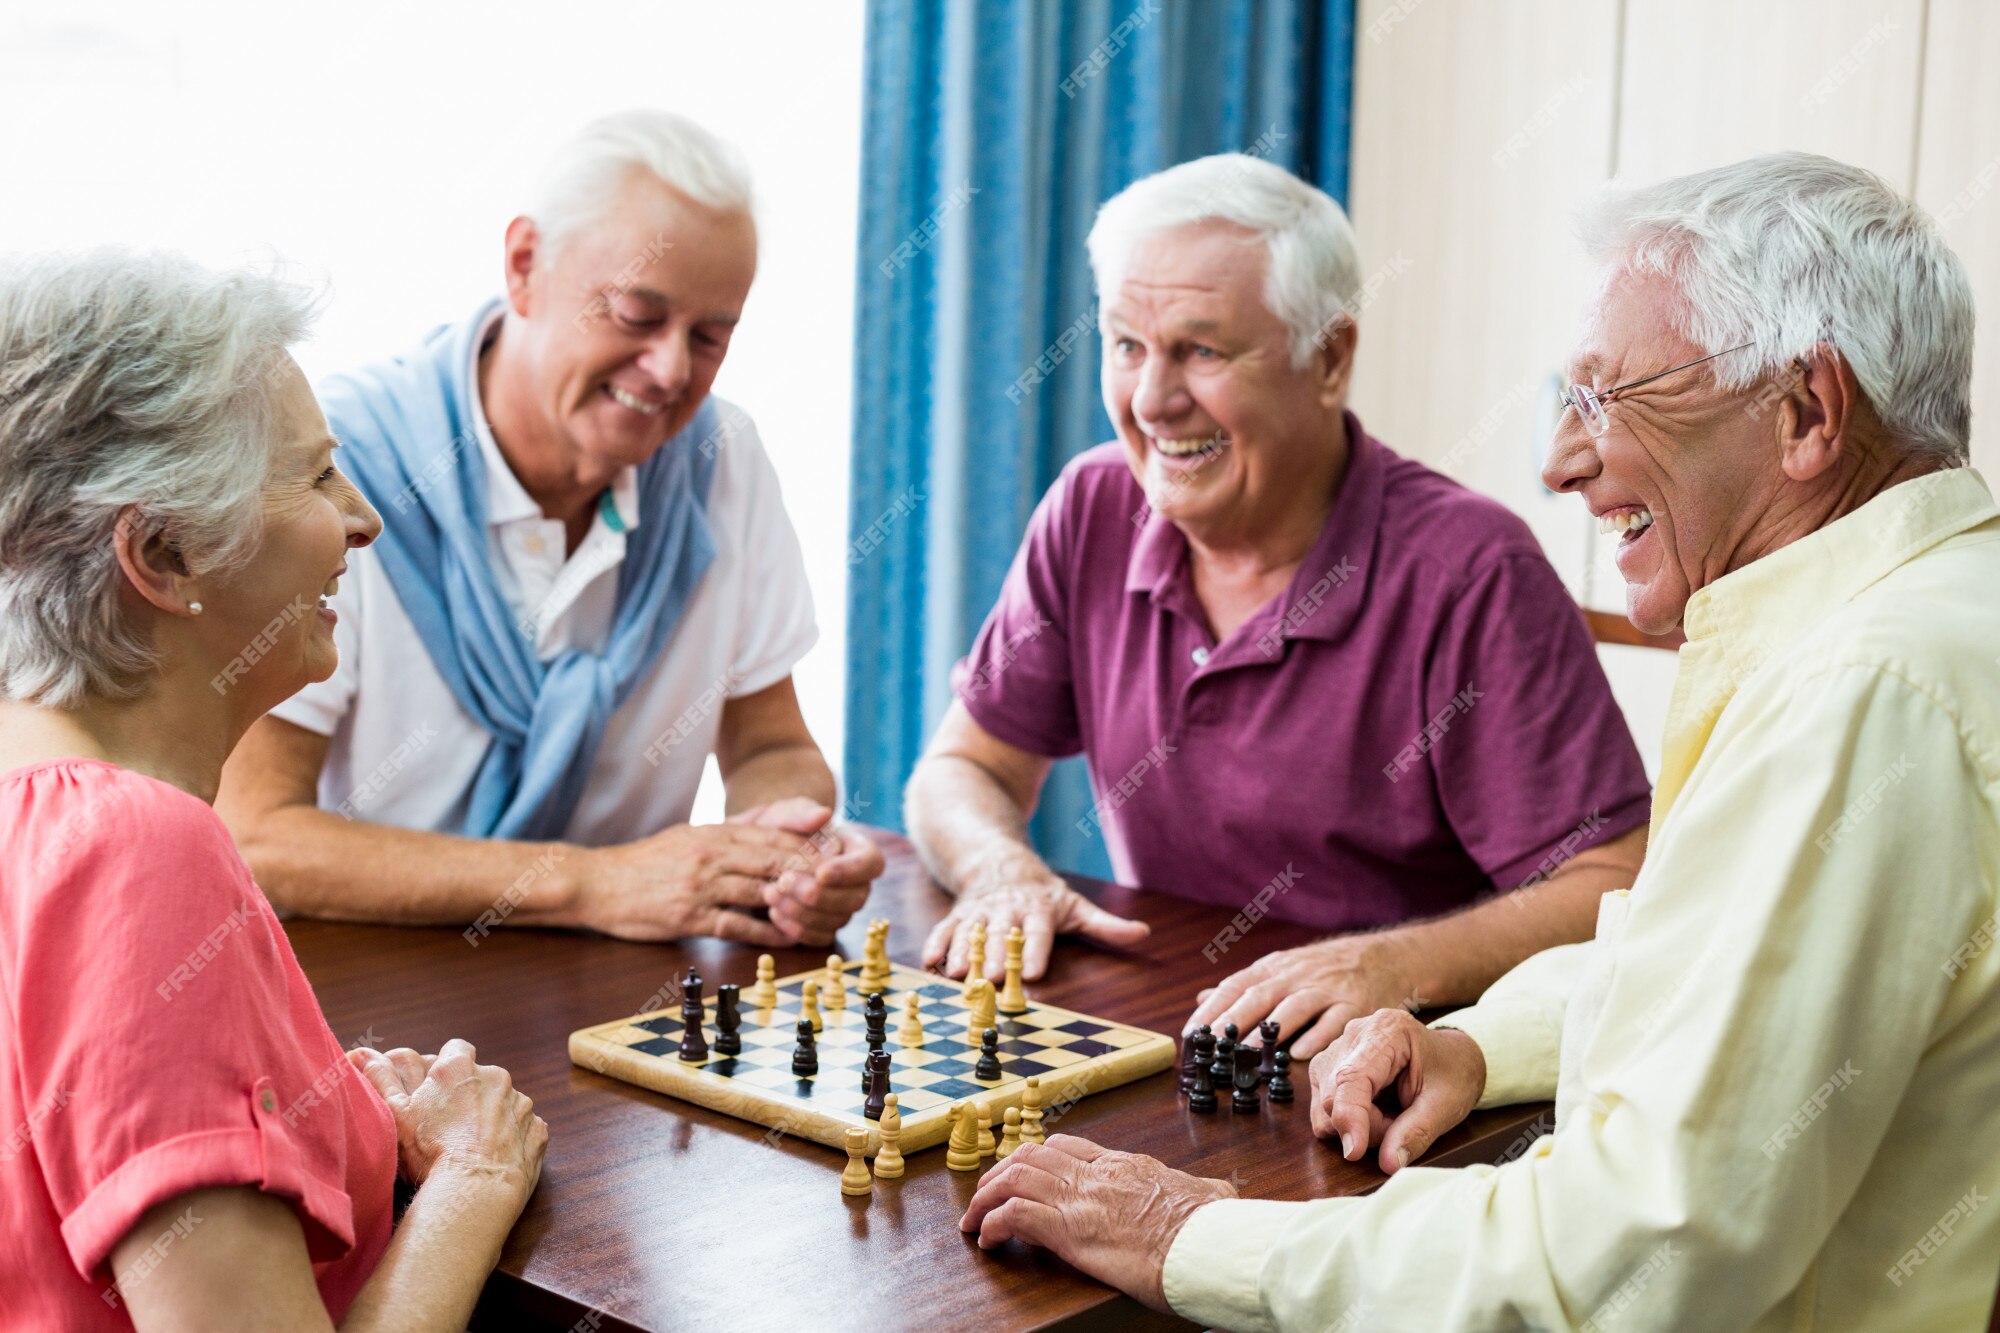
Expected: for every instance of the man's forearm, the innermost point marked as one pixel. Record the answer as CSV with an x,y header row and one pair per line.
x,y
316,863
777,773
1457,957
962,820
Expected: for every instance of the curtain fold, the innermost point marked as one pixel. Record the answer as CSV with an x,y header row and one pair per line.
x,y
992,130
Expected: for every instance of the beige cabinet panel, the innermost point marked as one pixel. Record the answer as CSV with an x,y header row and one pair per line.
x,y
1478,130
1713,81
1958,179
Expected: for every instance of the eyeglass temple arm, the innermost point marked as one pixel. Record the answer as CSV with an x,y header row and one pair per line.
x,y
1607,395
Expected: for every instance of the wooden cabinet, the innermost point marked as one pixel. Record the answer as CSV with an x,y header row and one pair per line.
x,y
1480,128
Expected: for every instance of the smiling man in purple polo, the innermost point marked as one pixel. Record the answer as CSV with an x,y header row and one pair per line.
x,y
1313,679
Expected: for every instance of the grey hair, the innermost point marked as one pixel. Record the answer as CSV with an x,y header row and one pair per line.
x,y
134,387
583,179
1312,276
1791,250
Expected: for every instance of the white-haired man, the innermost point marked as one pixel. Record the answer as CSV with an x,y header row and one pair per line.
x,y
1312,678
1776,1065
586,584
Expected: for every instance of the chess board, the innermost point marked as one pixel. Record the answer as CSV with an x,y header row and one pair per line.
x,y
1073,1054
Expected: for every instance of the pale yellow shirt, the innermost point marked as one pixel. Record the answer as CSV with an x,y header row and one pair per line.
x,y
1777,1067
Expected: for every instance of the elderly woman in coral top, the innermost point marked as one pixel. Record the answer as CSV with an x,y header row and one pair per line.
x,y
186,1145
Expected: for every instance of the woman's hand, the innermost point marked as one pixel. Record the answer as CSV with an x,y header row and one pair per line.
x,y
454,1113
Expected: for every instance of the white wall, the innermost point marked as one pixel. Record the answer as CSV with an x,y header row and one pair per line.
x,y
1478,130
384,148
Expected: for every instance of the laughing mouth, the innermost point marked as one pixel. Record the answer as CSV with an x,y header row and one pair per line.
x,y
1629,522
640,405
1190,448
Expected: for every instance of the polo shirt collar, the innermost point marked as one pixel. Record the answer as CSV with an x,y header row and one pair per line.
x,y
1158,565
1756,610
507,501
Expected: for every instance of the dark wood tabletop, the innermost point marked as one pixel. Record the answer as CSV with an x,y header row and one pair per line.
x,y
657,1214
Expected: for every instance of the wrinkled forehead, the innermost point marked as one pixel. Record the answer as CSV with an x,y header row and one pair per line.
x,y
1629,319
1209,271
647,226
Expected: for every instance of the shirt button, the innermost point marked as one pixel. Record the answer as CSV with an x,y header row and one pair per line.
x,y
1201,657
270,1100
535,545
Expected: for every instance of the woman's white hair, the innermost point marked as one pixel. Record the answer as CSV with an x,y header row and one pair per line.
x,y
1792,250
1312,275
134,385
583,180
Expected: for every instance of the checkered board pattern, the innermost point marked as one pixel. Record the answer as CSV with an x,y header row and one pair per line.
x,y
1073,1054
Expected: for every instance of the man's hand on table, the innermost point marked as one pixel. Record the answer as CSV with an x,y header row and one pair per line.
x,y
1315,990
826,881
1023,892
686,881
1113,1215
1438,1075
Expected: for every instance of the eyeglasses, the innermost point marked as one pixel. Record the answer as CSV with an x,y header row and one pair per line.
x,y
1589,404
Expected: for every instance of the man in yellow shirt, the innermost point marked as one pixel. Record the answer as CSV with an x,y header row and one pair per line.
x,y
1777,1066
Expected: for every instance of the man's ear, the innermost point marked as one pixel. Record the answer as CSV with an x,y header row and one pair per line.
x,y
1333,360
152,565
523,248
1816,422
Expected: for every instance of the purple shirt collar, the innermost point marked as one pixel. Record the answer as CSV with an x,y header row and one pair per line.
x,y
1159,565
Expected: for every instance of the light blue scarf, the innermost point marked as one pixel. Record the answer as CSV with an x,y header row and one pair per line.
x,y
407,435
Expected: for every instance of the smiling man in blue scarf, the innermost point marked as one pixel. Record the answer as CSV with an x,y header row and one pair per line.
x,y
586,584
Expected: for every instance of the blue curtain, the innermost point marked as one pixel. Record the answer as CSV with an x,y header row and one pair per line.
x,y
991,132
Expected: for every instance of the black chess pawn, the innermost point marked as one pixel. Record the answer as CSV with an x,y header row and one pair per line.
x,y
805,1056
878,1085
1245,1077
1222,1065
727,1020
1201,1092
1281,1077
988,1067
1190,1055
1229,1031
1268,1032
694,1045
1201,1097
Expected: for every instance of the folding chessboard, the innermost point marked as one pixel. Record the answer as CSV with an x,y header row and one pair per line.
x,y
1073,1054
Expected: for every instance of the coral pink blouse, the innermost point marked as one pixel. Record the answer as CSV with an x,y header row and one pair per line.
x,y
156,1037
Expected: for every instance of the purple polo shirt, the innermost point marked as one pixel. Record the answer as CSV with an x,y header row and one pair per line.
x,y
1419,720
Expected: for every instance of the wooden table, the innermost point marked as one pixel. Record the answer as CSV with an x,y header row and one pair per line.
x,y
656,1214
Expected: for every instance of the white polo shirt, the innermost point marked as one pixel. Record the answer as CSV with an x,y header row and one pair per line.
x,y
405,753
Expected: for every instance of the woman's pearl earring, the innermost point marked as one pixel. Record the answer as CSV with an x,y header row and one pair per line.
x,y
194,607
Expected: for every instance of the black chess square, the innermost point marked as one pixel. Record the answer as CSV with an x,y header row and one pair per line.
x,y
957,1089
658,1046
1083,1028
